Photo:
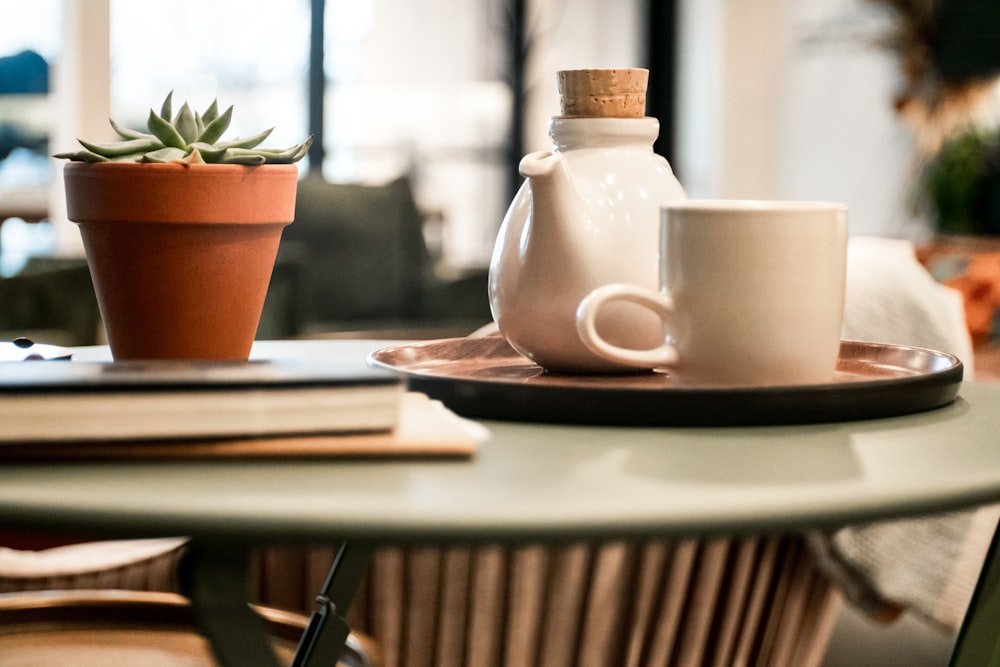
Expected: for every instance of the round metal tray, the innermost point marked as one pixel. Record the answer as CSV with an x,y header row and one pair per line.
x,y
484,378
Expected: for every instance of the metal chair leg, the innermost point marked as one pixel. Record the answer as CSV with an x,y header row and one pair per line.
x,y
214,578
978,643
323,641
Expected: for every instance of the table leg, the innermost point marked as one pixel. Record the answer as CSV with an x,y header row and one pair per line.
x,y
214,577
323,641
978,643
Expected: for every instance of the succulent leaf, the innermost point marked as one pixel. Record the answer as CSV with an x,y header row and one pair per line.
x,y
194,157
122,148
208,152
168,154
216,127
164,131
249,142
212,112
82,156
303,149
166,109
128,133
188,137
245,158
186,125
275,156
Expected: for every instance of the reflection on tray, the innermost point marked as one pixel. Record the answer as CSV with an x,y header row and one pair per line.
x,y
484,377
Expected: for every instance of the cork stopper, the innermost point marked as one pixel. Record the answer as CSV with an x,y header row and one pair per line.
x,y
603,93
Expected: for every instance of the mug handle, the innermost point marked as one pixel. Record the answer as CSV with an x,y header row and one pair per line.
x,y
586,325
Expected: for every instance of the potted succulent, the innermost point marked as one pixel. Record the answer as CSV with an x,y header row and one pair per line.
x,y
181,231
961,188
949,68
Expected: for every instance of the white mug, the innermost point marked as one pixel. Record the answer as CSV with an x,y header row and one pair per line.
x,y
751,294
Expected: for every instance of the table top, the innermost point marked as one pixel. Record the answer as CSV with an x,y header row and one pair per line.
x,y
537,482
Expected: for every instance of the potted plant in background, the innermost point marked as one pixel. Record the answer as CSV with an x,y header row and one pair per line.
x,y
950,70
181,231
961,188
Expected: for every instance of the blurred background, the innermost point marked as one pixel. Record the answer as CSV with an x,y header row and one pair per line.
x,y
423,90
421,111
791,99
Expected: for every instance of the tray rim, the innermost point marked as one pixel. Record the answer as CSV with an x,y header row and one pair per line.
x,y
811,403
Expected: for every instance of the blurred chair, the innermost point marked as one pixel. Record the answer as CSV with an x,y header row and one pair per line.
x,y
142,565
361,263
50,300
94,628
116,602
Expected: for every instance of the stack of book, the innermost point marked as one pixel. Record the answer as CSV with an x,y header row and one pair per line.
x,y
195,409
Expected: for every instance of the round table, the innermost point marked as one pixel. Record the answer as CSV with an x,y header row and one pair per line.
x,y
534,482
538,481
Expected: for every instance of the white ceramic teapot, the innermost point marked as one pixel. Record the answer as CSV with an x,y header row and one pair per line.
x,y
587,215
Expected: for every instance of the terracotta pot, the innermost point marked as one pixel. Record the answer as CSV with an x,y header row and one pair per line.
x,y
180,255
971,265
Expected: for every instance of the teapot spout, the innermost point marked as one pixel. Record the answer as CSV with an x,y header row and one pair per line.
x,y
540,164
555,209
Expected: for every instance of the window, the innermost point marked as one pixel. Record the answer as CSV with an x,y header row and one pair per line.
x,y
251,55
418,89
29,42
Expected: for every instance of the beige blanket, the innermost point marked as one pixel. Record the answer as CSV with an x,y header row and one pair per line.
x,y
928,565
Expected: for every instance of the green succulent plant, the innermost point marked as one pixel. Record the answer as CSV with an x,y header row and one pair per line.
x,y
188,137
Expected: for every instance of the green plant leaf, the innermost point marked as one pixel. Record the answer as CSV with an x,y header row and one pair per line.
x,y
166,110
186,125
211,113
210,153
164,131
81,156
215,129
303,149
249,142
168,154
123,148
274,155
128,133
195,157
954,181
188,137
251,159
267,152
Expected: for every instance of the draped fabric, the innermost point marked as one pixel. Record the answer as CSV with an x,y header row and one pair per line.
x,y
724,602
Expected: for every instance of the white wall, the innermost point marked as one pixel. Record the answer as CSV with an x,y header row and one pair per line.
x,y
575,34
783,99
